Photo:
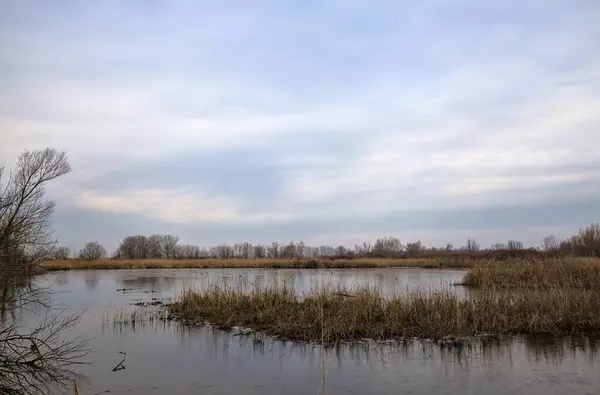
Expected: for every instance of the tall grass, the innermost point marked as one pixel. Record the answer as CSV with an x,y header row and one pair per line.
x,y
577,273
280,312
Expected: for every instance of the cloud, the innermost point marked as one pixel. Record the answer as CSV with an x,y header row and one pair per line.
x,y
294,117
177,206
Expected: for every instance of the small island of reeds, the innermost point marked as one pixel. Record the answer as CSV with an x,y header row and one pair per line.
x,y
556,296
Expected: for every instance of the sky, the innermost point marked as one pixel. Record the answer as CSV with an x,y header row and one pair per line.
x,y
333,122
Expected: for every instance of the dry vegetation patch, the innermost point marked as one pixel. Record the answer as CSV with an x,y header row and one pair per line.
x,y
577,273
366,313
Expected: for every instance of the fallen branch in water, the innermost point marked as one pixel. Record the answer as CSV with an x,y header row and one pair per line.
x,y
120,365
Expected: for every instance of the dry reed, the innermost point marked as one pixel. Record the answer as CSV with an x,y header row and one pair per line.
x,y
578,273
368,314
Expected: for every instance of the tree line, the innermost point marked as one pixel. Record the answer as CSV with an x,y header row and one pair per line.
x,y
585,243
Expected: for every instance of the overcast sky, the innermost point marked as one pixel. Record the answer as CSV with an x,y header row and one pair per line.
x,y
331,121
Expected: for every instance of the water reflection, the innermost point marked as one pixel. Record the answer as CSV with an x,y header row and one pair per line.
x,y
166,357
556,350
91,279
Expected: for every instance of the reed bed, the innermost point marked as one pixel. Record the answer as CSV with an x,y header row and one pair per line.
x,y
576,273
114,264
366,313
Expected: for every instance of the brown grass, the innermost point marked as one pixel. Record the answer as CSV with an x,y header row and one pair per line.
x,y
367,314
579,273
112,264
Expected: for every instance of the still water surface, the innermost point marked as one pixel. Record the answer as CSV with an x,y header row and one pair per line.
x,y
168,358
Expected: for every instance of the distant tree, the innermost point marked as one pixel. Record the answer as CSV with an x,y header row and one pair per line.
x,y
133,247
288,251
92,251
325,251
223,251
363,250
472,245
414,249
588,240
204,253
550,244
186,251
341,251
168,244
585,243
155,247
193,252
241,251
569,246
260,251
273,250
61,253
300,249
237,250
498,246
311,252
387,247
515,245
246,250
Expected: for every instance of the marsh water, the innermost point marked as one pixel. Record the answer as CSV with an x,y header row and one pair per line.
x,y
165,357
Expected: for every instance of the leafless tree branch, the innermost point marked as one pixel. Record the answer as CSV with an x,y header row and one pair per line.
x,y
31,359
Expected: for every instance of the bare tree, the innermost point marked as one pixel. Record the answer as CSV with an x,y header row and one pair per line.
x,y
133,247
288,251
363,250
30,360
414,249
223,251
325,251
186,251
472,245
341,251
243,250
169,243
589,240
61,253
550,243
387,247
155,247
25,214
515,245
300,249
92,251
260,251
204,253
273,251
